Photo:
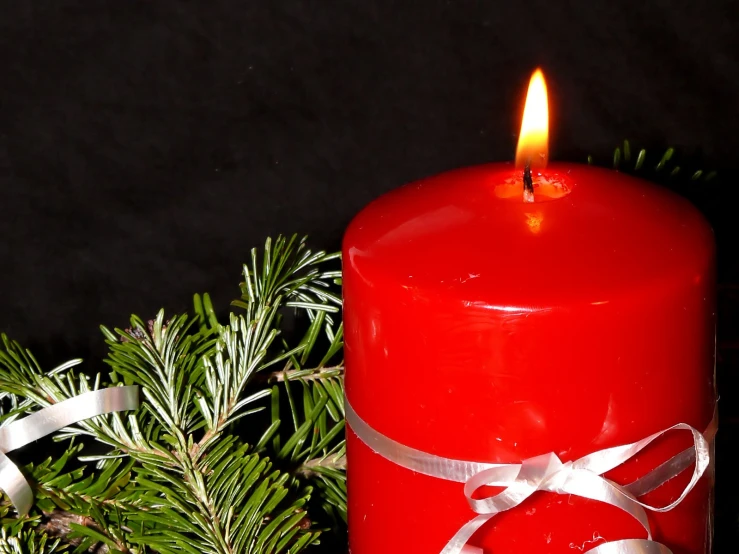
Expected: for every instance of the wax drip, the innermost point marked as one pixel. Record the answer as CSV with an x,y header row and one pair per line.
x,y
528,184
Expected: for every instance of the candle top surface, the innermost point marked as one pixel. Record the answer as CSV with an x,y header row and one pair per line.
x,y
468,234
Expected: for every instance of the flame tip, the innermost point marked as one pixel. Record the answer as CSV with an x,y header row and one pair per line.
x,y
533,141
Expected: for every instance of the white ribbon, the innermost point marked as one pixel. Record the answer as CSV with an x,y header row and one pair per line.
x,y
583,477
53,418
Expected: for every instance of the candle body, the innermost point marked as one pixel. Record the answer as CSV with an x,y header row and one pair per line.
x,y
486,329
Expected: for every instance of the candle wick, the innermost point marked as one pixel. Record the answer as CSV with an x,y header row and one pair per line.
x,y
528,184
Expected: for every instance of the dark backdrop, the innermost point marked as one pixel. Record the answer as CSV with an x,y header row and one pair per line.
x,y
146,146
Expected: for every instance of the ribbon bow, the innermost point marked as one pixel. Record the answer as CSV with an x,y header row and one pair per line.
x,y
583,477
53,418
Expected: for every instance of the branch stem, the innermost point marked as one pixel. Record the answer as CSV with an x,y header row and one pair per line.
x,y
313,374
308,468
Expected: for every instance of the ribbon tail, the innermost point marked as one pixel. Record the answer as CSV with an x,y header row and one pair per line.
x,y
48,420
15,486
63,414
458,542
631,546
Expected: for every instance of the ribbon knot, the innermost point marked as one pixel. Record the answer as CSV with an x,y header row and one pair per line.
x,y
582,477
556,480
53,418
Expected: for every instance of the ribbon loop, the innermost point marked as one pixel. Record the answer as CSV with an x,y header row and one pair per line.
x,y
516,491
583,477
48,420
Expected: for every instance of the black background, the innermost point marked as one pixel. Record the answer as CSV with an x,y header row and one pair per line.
x,y
146,146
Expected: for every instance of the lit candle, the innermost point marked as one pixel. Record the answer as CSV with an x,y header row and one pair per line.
x,y
495,322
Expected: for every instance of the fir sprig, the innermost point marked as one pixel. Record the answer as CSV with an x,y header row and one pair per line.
x,y
187,473
660,168
28,541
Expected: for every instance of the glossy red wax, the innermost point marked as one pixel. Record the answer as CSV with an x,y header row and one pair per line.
x,y
483,328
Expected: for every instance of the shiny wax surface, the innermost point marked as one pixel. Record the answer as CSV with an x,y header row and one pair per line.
x,y
488,329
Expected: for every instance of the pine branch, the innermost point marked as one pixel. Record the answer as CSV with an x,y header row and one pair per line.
x,y
28,542
176,477
200,471
20,380
663,168
74,529
76,496
311,374
315,467
314,448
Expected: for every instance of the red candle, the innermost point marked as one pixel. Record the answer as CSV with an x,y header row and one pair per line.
x,y
483,327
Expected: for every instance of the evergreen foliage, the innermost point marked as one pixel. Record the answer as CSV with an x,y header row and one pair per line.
x,y
237,447
665,168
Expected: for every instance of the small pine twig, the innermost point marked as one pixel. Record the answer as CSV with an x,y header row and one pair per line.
x,y
57,525
198,379
663,170
313,374
307,469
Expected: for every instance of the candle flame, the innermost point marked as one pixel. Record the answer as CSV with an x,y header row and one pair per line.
x,y
533,141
